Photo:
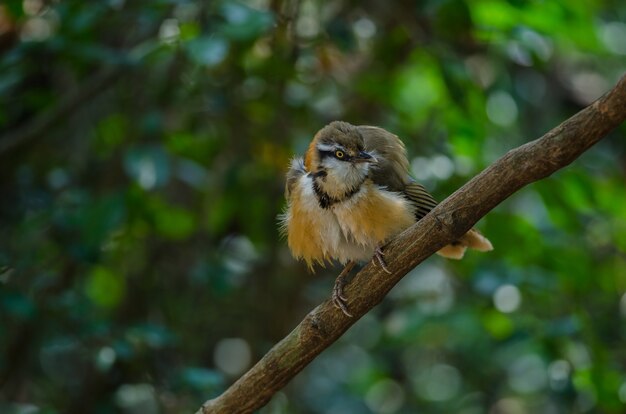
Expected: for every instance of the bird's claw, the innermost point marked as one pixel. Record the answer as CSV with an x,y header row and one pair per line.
x,y
338,293
339,300
379,257
338,297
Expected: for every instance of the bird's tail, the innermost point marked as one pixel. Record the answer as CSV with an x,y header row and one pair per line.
x,y
472,239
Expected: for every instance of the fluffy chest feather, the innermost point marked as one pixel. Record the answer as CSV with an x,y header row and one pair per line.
x,y
345,230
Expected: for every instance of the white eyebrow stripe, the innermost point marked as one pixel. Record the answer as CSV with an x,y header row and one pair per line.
x,y
325,147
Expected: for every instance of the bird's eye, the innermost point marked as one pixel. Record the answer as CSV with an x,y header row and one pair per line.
x,y
339,154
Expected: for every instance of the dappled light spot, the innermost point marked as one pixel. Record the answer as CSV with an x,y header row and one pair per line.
x,y
613,35
501,108
307,69
481,70
37,29
527,374
396,323
32,7
232,356
430,286
364,28
297,94
385,397
105,358
239,254
587,86
147,176
519,54
192,173
507,298
308,25
578,354
208,51
559,374
169,30
539,45
328,104
438,382
438,167
508,406
58,178
463,165
441,167
149,166
137,398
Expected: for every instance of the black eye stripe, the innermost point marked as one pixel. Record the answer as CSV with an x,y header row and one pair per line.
x,y
323,154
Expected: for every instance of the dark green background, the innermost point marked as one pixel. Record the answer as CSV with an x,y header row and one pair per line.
x,y
141,269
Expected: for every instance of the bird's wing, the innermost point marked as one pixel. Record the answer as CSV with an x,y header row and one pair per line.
x,y
392,169
422,199
296,170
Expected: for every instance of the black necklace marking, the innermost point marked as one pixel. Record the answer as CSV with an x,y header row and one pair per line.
x,y
324,199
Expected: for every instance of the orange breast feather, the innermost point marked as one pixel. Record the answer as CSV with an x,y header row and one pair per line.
x,y
375,216
303,230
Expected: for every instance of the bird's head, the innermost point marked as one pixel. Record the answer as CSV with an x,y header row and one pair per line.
x,y
337,155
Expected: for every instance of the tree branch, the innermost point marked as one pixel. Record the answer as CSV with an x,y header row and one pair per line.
x,y
449,220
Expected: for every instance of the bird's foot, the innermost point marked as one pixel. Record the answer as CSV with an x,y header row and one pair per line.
x,y
379,257
338,297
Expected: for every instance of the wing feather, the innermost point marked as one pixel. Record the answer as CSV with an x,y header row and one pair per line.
x,y
392,170
422,199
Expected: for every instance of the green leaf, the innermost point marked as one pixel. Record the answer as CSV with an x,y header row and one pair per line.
x,y
15,8
174,222
419,89
189,31
111,132
498,324
494,14
104,287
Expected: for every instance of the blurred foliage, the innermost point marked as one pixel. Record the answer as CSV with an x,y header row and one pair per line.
x,y
140,265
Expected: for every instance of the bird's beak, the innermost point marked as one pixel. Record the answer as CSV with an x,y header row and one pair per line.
x,y
365,157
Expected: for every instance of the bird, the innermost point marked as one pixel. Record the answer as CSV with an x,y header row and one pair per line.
x,y
349,195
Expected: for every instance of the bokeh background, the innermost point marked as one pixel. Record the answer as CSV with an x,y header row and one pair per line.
x,y
143,146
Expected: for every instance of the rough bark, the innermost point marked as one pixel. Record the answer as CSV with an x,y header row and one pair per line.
x,y
450,219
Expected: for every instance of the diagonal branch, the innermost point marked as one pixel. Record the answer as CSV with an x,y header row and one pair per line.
x,y
450,219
